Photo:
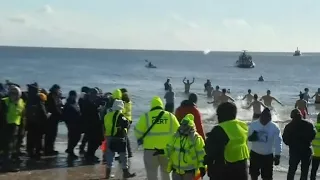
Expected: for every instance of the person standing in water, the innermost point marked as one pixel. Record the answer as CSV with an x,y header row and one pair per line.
x,y
248,96
216,95
306,95
267,99
169,97
223,98
317,95
302,105
187,85
167,85
256,107
209,90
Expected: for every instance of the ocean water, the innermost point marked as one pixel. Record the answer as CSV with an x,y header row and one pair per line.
x,y
284,75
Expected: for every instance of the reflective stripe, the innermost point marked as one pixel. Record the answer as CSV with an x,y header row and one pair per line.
x,y
159,133
184,168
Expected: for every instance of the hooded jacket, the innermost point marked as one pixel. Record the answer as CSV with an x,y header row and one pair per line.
x,y
162,131
188,107
117,94
120,124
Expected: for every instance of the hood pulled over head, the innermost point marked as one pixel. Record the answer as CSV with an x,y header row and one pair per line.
x,y
156,102
118,105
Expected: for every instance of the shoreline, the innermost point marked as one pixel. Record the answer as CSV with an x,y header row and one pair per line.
x,y
53,168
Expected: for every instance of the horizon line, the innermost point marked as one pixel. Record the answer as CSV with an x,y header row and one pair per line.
x,y
136,49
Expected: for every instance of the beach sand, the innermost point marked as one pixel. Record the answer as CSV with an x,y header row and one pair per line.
x,y
59,169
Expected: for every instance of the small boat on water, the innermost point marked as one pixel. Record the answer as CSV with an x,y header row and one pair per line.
x,y
150,65
297,52
245,61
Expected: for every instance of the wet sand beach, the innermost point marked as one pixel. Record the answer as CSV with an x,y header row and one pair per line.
x,y
60,168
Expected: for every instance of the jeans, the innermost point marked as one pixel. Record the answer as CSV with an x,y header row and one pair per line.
x,y
109,156
315,166
294,161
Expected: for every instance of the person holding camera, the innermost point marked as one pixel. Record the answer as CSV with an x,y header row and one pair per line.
x,y
116,129
265,136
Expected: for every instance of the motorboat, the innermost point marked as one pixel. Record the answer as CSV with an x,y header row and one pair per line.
x,y
297,52
245,61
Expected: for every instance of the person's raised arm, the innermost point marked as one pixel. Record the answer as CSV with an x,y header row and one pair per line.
x,y
314,95
184,80
192,81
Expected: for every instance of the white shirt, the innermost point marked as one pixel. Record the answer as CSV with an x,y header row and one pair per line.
x,y
269,138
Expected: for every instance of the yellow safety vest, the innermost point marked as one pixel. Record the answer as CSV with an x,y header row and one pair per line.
x,y
14,111
316,142
237,147
185,153
128,110
161,133
108,123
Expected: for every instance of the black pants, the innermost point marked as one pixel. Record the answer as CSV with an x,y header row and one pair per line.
x,y
8,140
315,166
95,137
34,138
261,164
74,135
294,161
51,134
169,107
230,171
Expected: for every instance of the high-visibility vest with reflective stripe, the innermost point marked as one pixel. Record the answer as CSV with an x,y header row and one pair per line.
x,y
108,123
127,111
237,147
185,153
316,142
14,111
161,133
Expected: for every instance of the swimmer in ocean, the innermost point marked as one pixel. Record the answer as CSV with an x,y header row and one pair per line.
x,y
222,98
267,99
216,95
208,88
207,84
256,105
302,105
187,85
317,95
248,97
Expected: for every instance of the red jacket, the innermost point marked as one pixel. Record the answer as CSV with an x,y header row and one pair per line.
x,y
188,107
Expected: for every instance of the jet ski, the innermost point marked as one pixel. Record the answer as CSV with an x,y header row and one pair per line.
x,y
260,79
150,65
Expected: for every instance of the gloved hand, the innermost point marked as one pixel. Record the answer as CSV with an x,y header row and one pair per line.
x,y
253,137
202,171
276,160
158,152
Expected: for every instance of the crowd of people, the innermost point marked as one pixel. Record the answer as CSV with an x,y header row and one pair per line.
x,y
173,141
